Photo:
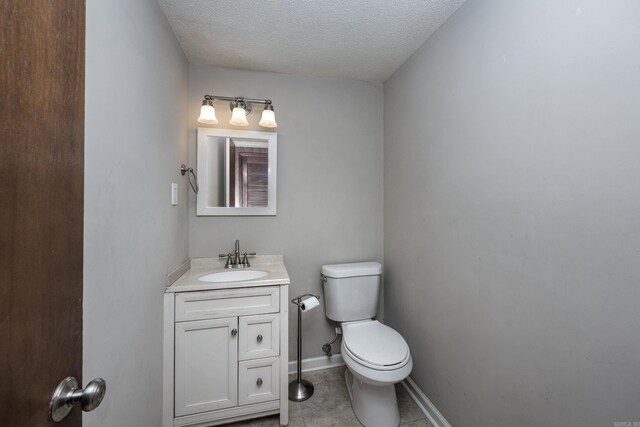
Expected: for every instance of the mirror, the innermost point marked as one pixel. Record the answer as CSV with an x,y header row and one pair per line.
x,y
236,172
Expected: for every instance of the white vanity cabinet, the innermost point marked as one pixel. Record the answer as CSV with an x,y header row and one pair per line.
x,y
225,355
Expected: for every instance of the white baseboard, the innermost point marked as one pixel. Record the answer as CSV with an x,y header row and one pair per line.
x,y
429,409
317,363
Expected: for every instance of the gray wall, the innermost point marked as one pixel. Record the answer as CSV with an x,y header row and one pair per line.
x,y
512,213
329,179
135,140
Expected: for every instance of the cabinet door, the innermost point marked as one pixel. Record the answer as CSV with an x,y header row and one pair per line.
x,y
206,365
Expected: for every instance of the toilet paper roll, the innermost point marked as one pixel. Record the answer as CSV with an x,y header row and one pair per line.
x,y
309,303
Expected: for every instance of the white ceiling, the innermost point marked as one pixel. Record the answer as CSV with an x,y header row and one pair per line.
x,y
354,39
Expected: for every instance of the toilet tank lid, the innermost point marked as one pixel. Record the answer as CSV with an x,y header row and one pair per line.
x,y
352,269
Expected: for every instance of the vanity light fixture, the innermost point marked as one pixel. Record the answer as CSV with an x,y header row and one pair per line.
x,y
240,109
208,113
239,114
268,119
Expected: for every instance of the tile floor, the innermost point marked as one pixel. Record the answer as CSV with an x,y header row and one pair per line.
x,y
330,405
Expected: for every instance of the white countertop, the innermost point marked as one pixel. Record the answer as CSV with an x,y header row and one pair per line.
x,y
272,264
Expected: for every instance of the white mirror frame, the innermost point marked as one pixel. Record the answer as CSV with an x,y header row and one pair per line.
x,y
271,138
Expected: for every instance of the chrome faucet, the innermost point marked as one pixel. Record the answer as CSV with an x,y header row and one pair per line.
x,y
236,259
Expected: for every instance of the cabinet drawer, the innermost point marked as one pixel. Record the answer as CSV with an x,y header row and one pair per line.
x,y
259,380
225,303
259,336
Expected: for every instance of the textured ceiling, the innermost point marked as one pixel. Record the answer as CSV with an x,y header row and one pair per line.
x,y
354,39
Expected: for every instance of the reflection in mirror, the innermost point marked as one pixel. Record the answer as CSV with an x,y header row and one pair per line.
x,y
237,172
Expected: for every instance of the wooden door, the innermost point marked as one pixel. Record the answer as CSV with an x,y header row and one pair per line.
x,y
255,180
206,365
250,177
41,205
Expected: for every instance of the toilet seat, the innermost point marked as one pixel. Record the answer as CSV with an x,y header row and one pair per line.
x,y
374,345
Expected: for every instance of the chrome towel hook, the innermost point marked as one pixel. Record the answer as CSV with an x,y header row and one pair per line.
x,y
194,184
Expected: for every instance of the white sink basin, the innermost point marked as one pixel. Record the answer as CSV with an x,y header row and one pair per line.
x,y
233,276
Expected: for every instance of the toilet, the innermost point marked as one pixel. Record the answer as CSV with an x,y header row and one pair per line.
x,y
376,355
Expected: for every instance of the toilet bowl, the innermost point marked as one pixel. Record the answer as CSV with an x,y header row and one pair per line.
x,y
377,357
375,352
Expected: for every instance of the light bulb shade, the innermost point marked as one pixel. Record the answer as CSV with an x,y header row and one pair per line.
x,y
239,117
268,119
208,115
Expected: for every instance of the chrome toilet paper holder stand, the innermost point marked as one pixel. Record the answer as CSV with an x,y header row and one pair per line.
x,y
300,389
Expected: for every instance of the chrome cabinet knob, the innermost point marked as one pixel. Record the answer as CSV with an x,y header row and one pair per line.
x,y
234,332
67,394
259,382
259,338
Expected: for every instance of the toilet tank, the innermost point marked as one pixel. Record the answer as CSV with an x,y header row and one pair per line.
x,y
351,290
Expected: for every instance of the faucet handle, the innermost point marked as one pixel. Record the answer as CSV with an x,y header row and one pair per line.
x,y
228,256
245,260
